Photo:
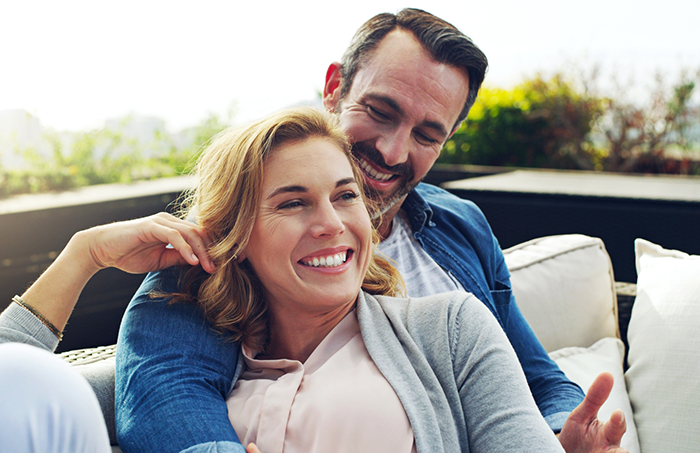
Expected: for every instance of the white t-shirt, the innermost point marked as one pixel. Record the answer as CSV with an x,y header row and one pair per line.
x,y
421,273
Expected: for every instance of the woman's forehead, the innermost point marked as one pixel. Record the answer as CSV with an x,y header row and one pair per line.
x,y
313,158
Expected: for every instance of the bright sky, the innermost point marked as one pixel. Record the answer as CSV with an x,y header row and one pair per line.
x,y
74,63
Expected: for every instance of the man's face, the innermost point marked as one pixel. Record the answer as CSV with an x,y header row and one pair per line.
x,y
400,110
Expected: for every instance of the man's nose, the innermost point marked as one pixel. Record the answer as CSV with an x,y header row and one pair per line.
x,y
394,146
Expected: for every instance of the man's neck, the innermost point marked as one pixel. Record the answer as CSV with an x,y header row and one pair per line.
x,y
384,229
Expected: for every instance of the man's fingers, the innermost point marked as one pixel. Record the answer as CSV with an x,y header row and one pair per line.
x,y
597,394
615,428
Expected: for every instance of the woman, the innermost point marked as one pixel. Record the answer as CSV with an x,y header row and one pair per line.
x,y
331,362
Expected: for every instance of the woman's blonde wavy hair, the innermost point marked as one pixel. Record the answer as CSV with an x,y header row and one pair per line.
x,y
225,203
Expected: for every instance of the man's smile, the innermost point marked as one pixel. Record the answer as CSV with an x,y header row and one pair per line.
x,y
372,172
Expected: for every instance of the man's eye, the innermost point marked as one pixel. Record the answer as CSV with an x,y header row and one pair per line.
x,y
376,114
425,140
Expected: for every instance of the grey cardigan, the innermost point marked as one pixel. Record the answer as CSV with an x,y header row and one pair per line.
x,y
446,358
455,372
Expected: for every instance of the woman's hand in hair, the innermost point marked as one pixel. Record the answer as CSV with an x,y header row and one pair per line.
x,y
148,244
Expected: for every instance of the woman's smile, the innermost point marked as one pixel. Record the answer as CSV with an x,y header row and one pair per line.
x,y
328,260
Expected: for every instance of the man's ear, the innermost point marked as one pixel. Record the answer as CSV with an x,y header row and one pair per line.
x,y
454,130
331,90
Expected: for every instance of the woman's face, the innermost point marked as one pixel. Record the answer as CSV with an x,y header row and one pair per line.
x,y
311,240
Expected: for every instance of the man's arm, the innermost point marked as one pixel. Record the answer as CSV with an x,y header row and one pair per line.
x,y
556,396
561,401
173,375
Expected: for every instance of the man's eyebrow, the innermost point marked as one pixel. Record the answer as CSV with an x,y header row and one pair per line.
x,y
392,104
302,189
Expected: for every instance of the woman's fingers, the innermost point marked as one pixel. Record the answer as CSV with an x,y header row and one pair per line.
x,y
188,239
252,448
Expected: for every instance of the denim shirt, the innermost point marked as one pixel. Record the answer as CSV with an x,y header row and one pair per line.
x,y
455,233
173,372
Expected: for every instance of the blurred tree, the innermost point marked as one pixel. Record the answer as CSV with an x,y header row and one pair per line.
x,y
104,156
565,122
539,123
637,138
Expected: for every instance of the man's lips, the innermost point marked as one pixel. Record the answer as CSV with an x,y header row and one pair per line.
x,y
373,172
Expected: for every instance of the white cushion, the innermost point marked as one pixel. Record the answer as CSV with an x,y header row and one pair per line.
x,y
663,378
582,365
565,288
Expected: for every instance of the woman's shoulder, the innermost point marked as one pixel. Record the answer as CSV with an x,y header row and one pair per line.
x,y
442,304
449,313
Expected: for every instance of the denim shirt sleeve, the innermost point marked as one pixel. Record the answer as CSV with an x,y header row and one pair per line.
x,y
173,373
556,396
459,228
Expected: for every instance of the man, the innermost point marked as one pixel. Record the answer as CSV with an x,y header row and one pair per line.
x,y
405,84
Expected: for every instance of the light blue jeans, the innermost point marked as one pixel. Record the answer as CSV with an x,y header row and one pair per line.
x,y
173,373
46,406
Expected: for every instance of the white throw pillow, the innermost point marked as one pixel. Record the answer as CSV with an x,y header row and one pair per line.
x,y
565,288
582,365
664,350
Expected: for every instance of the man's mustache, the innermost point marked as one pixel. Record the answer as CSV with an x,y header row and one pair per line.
x,y
371,154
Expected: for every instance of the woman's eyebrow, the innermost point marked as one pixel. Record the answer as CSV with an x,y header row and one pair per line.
x,y
345,182
288,189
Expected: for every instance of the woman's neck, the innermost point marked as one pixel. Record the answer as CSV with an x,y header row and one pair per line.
x,y
296,336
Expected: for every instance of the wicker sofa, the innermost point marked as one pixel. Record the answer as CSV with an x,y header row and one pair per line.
x,y
566,289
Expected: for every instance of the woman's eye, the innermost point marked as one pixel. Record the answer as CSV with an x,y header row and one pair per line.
x,y
290,204
349,196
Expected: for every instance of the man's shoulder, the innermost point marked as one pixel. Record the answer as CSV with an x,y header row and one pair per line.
x,y
436,196
441,200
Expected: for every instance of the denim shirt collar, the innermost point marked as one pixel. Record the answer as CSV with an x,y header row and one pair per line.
x,y
419,212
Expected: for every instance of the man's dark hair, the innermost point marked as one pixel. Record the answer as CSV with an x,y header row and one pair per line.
x,y
445,43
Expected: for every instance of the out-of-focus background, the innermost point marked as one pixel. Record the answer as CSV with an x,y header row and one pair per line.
x,y
158,75
126,93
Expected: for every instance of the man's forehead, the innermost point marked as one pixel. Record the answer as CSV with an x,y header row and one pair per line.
x,y
401,74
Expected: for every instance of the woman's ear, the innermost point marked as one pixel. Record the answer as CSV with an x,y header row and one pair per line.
x,y
240,257
331,89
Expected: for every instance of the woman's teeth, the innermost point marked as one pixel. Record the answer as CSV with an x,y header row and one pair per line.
x,y
328,261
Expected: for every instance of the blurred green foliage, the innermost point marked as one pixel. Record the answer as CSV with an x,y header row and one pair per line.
x,y
560,122
105,156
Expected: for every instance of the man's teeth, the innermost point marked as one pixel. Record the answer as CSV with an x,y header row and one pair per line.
x,y
367,168
328,261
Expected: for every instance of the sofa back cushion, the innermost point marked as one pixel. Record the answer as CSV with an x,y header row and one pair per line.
x,y
663,378
565,288
582,365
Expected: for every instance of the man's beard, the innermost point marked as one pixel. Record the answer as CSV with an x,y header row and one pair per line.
x,y
384,202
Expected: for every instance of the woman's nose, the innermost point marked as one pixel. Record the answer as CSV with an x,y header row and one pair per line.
x,y
326,221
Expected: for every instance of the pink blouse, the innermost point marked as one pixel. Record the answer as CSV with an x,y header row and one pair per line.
x,y
337,401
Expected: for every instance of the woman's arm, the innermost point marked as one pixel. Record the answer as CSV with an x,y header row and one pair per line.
x,y
499,410
135,246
